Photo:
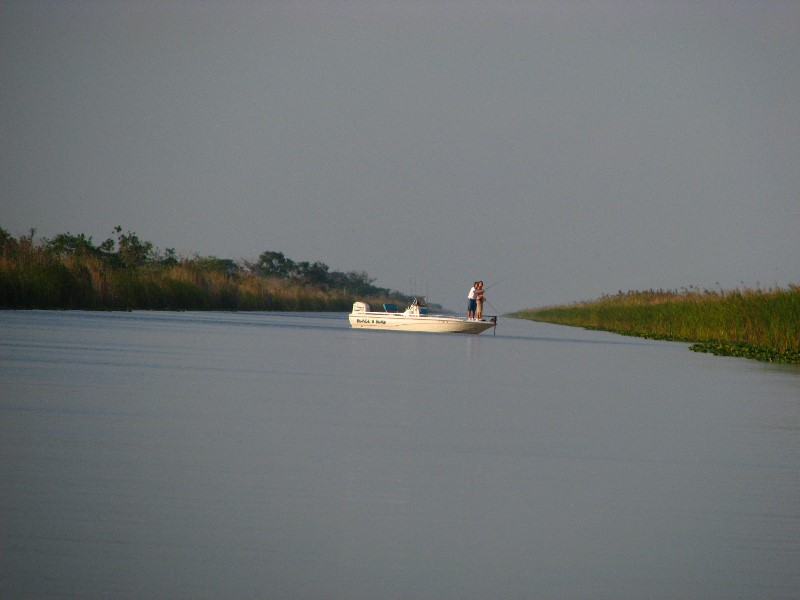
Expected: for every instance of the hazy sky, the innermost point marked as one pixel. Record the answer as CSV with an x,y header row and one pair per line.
x,y
564,149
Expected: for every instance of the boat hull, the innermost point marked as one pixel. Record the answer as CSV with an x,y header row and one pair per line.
x,y
423,323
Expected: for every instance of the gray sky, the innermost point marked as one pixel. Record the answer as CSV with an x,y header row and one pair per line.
x,y
564,149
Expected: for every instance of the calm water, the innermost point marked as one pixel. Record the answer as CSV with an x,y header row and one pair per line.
x,y
196,455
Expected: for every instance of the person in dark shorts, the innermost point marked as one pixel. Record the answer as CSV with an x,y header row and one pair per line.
x,y
472,301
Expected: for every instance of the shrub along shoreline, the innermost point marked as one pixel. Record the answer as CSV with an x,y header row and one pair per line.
x,y
126,273
758,324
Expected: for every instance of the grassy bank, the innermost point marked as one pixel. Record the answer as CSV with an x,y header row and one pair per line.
x,y
758,324
69,272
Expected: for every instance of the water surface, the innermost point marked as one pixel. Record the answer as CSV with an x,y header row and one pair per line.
x,y
209,455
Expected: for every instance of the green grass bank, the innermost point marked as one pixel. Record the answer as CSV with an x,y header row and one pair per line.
x,y
758,324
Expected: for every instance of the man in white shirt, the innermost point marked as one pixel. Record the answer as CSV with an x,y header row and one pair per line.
x,y
472,300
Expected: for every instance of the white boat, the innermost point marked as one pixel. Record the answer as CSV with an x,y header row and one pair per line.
x,y
415,318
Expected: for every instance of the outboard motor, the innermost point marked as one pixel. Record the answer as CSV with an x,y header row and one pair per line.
x,y
360,307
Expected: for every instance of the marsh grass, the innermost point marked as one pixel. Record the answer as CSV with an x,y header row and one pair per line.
x,y
761,324
39,280
71,272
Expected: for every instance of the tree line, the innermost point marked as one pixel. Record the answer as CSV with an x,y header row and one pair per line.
x,y
70,271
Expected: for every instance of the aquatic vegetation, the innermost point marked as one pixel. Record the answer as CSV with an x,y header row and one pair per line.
x,y
70,272
753,323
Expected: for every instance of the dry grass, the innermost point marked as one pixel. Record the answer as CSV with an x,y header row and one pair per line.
x,y
38,280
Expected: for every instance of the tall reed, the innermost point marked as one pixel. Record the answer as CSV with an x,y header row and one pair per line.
x,y
41,280
755,322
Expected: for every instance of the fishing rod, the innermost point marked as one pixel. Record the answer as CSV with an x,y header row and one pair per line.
x,y
495,283
494,308
494,318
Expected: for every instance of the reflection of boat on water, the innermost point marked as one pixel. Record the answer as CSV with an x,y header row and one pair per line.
x,y
415,318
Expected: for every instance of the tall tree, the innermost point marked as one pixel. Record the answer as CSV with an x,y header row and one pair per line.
x,y
132,251
65,244
275,263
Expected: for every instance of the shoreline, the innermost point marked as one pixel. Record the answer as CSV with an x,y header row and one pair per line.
x,y
761,325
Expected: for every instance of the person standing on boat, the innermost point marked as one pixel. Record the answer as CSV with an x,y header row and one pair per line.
x,y
479,299
472,301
